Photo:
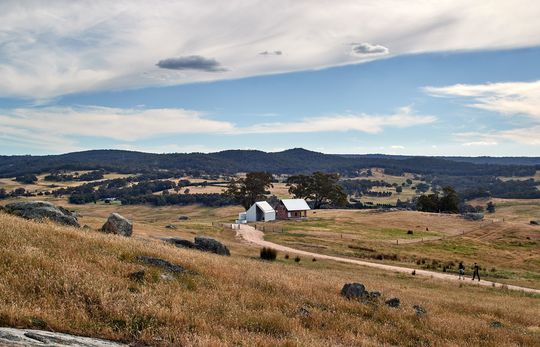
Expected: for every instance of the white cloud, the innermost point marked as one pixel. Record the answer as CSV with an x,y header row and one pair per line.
x,y
113,123
508,98
397,147
480,143
60,47
58,128
373,124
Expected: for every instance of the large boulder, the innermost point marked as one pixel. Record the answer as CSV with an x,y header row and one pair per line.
x,y
116,224
40,210
28,337
207,244
354,291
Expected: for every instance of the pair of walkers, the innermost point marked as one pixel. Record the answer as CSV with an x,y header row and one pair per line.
x,y
476,271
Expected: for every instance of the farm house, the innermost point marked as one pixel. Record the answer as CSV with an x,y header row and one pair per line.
x,y
292,209
261,211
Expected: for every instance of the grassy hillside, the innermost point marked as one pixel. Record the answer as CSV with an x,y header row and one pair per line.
x,y
75,281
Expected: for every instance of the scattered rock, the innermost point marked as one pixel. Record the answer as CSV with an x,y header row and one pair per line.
x,y
534,222
353,291
166,276
394,302
183,218
496,324
86,227
179,242
165,265
374,295
116,224
207,244
137,276
419,310
303,312
28,337
171,226
40,210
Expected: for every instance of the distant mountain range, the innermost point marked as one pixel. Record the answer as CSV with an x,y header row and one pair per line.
x,y
292,161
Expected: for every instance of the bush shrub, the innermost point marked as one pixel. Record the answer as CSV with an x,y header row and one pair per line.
x,y
268,254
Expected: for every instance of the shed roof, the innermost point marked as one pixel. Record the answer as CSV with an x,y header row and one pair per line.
x,y
264,206
295,204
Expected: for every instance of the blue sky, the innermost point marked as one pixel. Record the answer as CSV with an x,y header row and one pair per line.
x,y
460,88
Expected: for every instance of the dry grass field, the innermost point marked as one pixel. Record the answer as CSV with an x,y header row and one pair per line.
x,y
507,251
76,281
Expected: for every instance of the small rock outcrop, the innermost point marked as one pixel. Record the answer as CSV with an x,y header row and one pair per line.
x,y
165,265
207,244
179,242
419,310
116,224
394,302
31,338
358,291
183,218
170,226
137,276
535,222
202,243
40,210
354,291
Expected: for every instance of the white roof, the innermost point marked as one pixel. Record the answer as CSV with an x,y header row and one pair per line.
x,y
264,206
295,204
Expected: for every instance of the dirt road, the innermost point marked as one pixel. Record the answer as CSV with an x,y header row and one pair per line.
x,y
256,237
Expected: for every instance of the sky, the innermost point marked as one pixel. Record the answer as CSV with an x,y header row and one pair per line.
x,y
396,77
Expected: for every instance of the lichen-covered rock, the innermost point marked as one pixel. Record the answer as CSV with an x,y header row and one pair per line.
x,y
180,242
40,210
394,302
116,224
31,338
165,265
207,244
354,291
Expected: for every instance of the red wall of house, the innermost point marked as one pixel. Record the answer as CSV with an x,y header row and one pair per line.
x,y
281,212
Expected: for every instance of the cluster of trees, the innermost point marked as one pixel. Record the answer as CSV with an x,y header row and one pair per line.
x,y
254,187
88,176
26,179
378,194
471,187
320,188
449,202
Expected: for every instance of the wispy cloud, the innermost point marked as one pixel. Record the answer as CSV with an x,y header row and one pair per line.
x,y
509,98
404,117
60,128
506,98
60,47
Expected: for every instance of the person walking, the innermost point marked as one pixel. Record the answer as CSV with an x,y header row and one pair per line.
x,y
476,272
461,269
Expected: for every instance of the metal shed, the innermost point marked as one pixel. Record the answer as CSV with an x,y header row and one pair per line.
x,y
261,211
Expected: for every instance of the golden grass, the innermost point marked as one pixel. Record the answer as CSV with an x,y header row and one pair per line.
x,y
75,281
507,250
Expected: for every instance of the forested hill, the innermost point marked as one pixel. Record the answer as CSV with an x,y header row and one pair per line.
x,y
291,161
533,161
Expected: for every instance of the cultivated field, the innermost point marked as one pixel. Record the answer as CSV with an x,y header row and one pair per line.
x,y
76,281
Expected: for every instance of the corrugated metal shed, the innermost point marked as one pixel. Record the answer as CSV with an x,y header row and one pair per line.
x,y
295,204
